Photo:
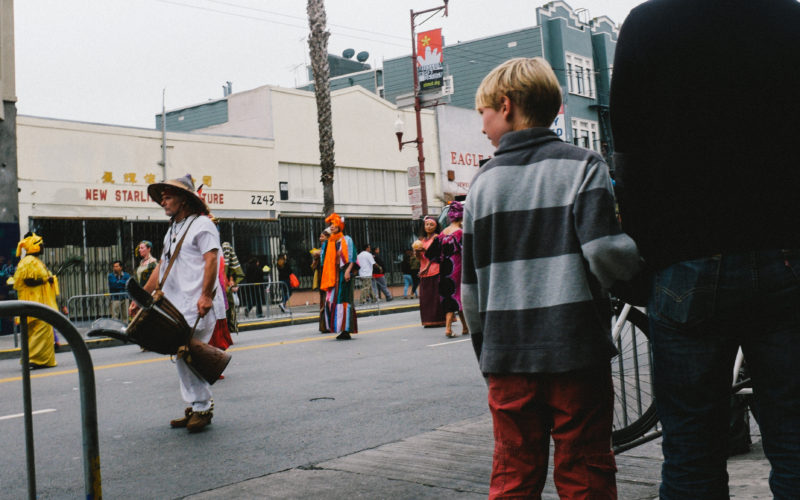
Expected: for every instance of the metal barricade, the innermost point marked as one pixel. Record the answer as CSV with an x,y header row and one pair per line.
x,y
363,293
91,446
258,301
82,310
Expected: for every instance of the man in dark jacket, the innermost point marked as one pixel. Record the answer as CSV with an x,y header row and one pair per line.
x,y
704,112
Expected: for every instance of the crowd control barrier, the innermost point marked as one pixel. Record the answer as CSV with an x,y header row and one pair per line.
x,y
82,310
91,446
259,301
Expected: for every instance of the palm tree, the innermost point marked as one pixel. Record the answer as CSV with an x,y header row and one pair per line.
x,y
318,49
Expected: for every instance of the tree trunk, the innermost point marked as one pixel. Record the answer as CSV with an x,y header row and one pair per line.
x,y
318,49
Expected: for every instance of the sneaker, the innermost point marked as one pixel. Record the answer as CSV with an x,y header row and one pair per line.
x,y
199,420
343,336
283,308
181,422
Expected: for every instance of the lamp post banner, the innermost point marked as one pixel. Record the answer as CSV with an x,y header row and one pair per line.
x,y
430,59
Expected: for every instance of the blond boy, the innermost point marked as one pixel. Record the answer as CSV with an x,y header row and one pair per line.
x,y
541,243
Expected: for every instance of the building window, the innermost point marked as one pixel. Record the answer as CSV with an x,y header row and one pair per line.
x,y
584,134
580,75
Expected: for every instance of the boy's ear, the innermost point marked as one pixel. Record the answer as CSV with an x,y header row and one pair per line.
x,y
506,108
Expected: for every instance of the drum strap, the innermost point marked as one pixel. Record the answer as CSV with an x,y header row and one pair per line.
x,y
175,255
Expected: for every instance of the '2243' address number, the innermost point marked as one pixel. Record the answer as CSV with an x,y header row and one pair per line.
x,y
262,199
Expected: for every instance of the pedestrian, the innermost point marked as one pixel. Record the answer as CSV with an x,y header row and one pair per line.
x,y
192,284
316,266
147,263
366,265
34,282
405,269
704,118
116,287
379,276
447,252
6,273
541,241
337,262
284,272
430,306
253,295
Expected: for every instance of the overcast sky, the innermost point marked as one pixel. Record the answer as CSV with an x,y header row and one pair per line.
x,y
107,61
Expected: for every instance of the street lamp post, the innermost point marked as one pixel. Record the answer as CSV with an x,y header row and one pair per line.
x,y
417,106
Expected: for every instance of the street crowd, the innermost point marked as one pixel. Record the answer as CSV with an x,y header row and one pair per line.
x,y
699,225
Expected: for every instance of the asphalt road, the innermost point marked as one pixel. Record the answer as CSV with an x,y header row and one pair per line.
x,y
291,397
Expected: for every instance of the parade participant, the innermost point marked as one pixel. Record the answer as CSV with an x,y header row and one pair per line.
x,y
447,252
147,264
316,266
430,306
34,282
191,284
233,276
337,262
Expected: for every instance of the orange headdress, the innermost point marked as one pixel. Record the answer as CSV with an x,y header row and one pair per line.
x,y
330,269
334,220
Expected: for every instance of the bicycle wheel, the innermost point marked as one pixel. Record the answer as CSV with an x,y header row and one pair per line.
x,y
634,401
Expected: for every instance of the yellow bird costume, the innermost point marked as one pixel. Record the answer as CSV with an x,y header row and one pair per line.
x,y
40,334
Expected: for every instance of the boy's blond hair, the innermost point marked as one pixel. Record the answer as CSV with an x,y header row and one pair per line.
x,y
529,83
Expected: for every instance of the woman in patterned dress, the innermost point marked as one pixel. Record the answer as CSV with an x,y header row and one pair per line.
x,y
447,252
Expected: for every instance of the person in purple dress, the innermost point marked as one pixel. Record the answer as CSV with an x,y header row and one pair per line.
x,y
447,252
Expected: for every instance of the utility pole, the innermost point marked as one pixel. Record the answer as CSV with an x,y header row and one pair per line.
x,y
163,161
417,105
9,181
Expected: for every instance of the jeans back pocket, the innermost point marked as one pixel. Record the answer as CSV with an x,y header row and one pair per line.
x,y
684,294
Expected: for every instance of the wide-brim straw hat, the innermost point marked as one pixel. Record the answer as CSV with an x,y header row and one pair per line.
x,y
156,191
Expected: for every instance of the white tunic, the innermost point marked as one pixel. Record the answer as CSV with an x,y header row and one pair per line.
x,y
185,281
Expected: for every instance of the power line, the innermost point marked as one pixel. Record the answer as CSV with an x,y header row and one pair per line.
x,y
291,25
305,19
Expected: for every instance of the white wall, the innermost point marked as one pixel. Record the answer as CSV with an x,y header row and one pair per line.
x,y
73,169
371,174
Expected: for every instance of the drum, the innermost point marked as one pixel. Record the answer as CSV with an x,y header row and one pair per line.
x,y
160,328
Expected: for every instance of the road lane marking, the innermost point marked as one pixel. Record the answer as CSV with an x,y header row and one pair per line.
x,y
232,349
19,415
449,342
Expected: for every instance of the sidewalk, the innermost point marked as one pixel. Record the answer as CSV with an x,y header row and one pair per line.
x,y
454,462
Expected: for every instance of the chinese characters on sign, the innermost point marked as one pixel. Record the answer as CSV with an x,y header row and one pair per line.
x,y
139,194
430,59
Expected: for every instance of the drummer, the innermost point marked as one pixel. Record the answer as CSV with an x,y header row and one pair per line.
x,y
191,284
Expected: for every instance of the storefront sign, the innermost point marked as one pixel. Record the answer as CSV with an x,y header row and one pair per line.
x,y
559,125
462,147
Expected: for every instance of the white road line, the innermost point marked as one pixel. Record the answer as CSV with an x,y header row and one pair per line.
x,y
449,342
20,415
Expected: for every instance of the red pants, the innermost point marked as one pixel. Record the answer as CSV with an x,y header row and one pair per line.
x,y
577,409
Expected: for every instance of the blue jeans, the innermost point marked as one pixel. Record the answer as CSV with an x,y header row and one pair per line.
x,y
408,282
700,312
